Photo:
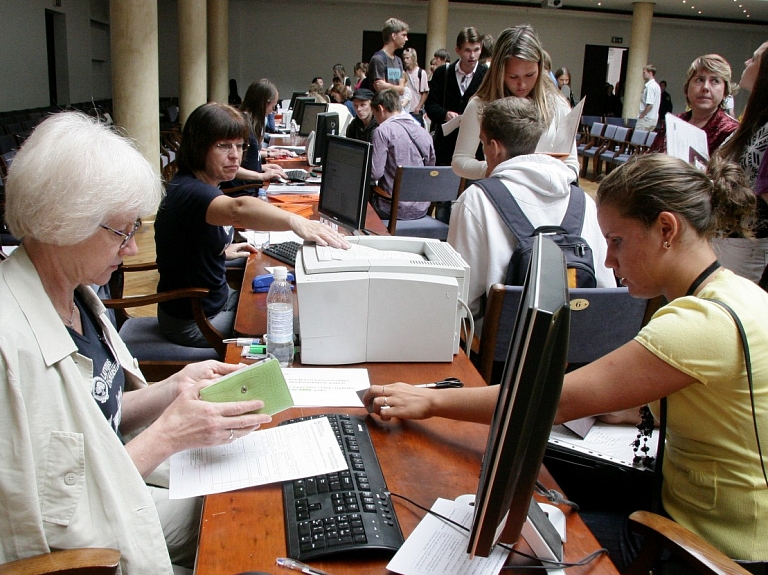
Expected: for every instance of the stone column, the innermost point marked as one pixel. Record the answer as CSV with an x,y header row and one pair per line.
x,y
193,61
437,29
135,87
218,51
639,48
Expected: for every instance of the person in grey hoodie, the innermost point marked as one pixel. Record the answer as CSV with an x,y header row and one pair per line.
x,y
539,183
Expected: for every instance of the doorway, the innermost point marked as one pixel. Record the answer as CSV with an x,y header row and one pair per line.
x,y
58,60
603,65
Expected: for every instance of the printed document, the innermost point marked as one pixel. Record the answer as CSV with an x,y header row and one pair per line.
x,y
326,386
283,453
436,547
605,441
687,142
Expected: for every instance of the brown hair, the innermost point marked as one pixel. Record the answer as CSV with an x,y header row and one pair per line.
x,y
716,202
515,123
714,64
258,95
206,125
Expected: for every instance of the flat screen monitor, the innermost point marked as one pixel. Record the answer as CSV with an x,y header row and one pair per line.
x,y
309,117
327,125
528,398
298,108
295,95
346,181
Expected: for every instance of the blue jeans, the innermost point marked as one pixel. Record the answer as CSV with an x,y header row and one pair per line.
x,y
186,332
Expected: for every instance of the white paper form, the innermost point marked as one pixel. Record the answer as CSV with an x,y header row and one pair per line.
x,y
606,441
687,142
302,449
451,125
326,386
436,547
293,189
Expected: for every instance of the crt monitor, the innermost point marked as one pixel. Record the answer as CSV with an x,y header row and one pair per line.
x,y
346,181
295,95
308,121
528,398
327,125
298,108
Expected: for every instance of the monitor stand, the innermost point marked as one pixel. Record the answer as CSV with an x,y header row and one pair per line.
x,y
544,530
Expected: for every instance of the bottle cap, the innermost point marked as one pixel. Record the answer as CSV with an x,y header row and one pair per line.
x,y
280,273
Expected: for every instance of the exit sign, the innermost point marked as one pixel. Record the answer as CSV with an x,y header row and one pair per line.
x,y
617,40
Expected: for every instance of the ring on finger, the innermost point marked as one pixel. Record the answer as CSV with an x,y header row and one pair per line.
x,y
231,434
385,402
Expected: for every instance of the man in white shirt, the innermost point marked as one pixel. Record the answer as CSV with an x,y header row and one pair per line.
x,y
650,101
541,186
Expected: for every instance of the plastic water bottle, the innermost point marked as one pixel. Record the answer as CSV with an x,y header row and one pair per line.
x,y
262,195
294,132
280,318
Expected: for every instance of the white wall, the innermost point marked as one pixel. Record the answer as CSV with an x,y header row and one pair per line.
x,y
292,41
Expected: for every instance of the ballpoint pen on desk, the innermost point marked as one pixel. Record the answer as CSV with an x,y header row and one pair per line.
x,y
443,383
299,566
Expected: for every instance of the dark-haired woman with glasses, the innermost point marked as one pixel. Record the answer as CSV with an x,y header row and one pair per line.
x,y
195,224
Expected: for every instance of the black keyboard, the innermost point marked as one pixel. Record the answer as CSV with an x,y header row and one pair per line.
x,y
297,175
346,512
285,252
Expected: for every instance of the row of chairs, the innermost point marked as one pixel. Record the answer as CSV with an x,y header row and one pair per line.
x,y
611,145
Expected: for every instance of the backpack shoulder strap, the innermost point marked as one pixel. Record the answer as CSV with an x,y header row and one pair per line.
x,y
505,204
573,220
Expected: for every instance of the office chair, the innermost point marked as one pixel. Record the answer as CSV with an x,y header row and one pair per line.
x,y
158,357
602,319
660,533
420,184
84,561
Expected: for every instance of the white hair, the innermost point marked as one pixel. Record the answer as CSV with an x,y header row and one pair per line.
x,y
73,174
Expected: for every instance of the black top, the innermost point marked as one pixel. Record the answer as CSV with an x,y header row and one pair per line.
x,y
445,96
108,375
190,251
357,131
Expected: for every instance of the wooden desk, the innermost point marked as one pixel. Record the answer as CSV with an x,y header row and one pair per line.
x,y
244,530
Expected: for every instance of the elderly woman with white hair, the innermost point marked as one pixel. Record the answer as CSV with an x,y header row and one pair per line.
x,y
70,393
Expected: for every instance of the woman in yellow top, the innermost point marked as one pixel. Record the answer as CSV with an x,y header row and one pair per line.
x,y
658,215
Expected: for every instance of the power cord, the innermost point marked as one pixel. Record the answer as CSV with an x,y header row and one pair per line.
x,y
555,496
548,563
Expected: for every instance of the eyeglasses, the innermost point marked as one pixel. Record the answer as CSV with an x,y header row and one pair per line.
x,y
226,147
126,237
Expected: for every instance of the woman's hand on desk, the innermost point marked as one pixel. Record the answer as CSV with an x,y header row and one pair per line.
x,y
400,400
239,250
318,233
272,171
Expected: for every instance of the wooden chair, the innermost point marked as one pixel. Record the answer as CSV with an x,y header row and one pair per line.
x,y
611,149
660,533
636,146
602,319
158,357
85,561
597,147
591,138
420,184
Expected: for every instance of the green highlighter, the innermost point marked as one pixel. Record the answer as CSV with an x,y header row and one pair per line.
x,y
263,380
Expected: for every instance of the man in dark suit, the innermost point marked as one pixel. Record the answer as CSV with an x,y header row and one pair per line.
x,y
451,87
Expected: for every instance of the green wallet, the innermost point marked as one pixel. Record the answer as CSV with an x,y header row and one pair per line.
x,y
263,380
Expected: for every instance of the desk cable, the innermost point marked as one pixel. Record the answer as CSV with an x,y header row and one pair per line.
x,y
547,563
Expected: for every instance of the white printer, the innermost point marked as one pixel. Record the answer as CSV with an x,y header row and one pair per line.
x,y
386,299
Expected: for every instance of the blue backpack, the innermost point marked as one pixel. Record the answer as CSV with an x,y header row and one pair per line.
x,y
578,254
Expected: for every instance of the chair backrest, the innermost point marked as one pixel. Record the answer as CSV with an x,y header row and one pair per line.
x,y
602,319
651,138
84,561
610,131
597,129
610,120
639,137
631,122
622,134
425,184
